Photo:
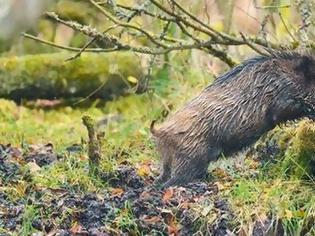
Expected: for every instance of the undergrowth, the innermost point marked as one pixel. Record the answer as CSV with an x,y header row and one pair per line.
x,y
279,190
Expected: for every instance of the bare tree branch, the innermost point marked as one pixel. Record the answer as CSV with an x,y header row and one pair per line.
x,y
150,36
198,35
73,49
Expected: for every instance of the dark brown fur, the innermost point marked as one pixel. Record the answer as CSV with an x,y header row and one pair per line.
x,y
234,112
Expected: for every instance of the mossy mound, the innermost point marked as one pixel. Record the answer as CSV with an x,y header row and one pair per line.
x,y
290,149
299,157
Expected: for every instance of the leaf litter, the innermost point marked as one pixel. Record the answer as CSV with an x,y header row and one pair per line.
x,y
129,205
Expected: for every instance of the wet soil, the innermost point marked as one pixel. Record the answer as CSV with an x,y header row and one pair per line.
x,y
130,205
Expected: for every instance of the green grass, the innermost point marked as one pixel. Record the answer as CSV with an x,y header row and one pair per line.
x,y
290,201
127,139
281,189
253,191
125,220
71,174
30,213
62,127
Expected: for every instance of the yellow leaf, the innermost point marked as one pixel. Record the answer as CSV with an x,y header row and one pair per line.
x,y
288,214
132,79
219,26
21,188
220,173
300,213
143,170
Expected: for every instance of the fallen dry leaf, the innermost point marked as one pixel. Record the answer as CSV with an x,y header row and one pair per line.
x,y
145,195
33,167
173,230
167,216
185,204
151,220
76,228
220,186
173,227
168,194
117,192
206,210
20,188
220,173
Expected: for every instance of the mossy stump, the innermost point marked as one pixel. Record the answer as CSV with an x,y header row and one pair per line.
x,y
94,150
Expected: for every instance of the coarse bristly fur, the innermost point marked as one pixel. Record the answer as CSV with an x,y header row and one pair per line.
x,y
234,112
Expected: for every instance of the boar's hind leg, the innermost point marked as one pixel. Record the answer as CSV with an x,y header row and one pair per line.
x,y
190,169
186,172
165,172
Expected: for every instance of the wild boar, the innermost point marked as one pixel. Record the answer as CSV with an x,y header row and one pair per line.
x,y
234,112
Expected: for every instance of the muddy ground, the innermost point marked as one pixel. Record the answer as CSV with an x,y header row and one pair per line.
x,y
130,205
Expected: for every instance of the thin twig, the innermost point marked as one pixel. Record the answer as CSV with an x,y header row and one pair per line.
x,y
263,24
146,12
216,37
222,55
133,14
111,40
273,7
185,31
73,49
143,50
91,94
186,22
251,45
194,17
88,44
286,27
128,25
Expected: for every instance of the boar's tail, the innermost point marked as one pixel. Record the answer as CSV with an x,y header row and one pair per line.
x,y
154,132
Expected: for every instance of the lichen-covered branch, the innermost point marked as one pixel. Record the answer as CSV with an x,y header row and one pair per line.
x,y
171,15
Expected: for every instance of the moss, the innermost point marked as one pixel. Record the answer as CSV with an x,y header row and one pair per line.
x,y
299,158
73,10
50,76
94,150
290,150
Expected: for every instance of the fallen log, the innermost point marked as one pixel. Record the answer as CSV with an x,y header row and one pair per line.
x,y
50,76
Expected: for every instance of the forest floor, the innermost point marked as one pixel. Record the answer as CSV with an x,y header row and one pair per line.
x,y
46,189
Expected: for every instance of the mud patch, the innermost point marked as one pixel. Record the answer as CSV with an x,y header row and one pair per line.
x,y
130,206
42,155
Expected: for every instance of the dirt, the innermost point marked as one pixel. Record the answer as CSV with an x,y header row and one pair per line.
x,y
268,227
10,213
129,206
9,169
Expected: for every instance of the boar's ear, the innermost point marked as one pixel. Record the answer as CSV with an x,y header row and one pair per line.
x,y
306,67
